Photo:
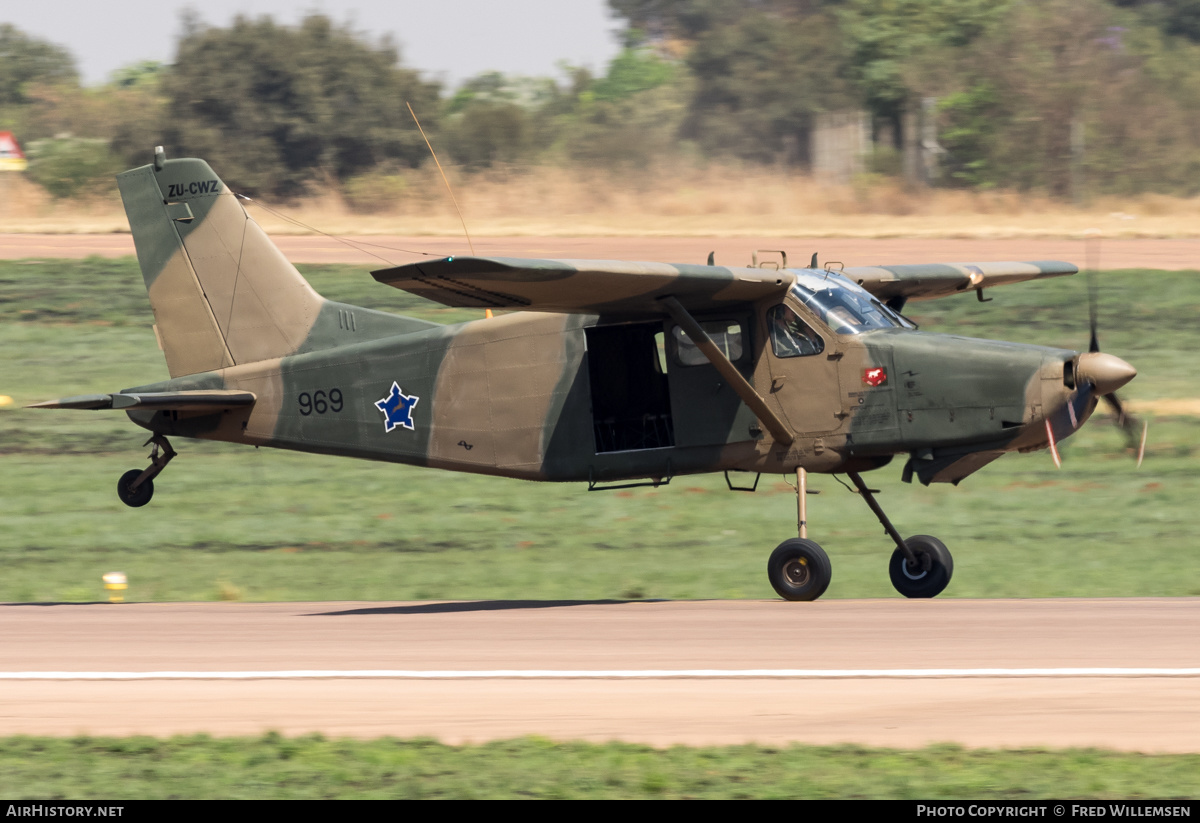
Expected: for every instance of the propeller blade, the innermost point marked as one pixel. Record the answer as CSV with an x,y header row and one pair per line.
x,y
1118,408
1053,445
1093,313
1091,244
1106,373
1129,425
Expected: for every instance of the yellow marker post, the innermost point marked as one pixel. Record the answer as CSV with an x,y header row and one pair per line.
x,y
5,400
115,583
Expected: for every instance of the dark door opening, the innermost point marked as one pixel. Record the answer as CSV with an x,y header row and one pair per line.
x,y
631,404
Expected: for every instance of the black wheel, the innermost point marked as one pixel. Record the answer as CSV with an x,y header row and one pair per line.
x,y
799,570
141,496
934,568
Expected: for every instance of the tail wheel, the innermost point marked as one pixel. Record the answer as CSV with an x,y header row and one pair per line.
x,y
134,497
932,572
799,569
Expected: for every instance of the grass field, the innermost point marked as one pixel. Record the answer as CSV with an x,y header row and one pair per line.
x,y
199,767
237,523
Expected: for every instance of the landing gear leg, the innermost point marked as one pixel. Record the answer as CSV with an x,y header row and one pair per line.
x,y
799,569
136,486
920,566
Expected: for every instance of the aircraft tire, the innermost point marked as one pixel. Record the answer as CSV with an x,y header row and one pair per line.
x,y
134,498
799,570
925,583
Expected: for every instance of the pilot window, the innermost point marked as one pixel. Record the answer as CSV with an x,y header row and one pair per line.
x,y
726,334
791,336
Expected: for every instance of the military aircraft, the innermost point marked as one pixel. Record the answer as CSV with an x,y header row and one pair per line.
x,y
612,373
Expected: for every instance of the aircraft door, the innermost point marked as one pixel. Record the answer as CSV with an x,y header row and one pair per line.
x,y
631,407
803,361
707,410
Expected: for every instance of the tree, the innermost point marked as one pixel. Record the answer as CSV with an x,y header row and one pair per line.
x,y
688,20
759,69
759,83
1046,69
72,166
275,106
895,47
25,61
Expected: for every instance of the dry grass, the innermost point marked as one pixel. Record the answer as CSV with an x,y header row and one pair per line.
x,y
1168,407
715,201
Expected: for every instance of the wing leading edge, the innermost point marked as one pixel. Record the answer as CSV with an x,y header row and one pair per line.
x,y
582,286
926,281
630,288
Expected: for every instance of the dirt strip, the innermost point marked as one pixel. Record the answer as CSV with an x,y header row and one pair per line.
x,y
1168,254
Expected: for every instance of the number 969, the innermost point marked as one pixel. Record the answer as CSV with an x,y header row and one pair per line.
x,y
320,402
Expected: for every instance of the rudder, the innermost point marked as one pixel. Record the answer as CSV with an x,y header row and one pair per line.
x,y
221,291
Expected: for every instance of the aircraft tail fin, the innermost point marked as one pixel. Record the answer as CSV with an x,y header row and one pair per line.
x,y
221,291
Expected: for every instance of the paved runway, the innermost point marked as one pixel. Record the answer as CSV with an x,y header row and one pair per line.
x,y
1169,254
780,671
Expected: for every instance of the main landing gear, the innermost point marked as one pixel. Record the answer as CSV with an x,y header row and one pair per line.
x,y
136,486
799,569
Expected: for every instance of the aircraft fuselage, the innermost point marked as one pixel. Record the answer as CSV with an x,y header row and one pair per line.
x,y
585,397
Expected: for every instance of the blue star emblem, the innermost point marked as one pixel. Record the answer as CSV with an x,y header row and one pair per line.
x,y
397,409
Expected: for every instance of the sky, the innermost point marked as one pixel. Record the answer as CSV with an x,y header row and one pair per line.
x,y
447,40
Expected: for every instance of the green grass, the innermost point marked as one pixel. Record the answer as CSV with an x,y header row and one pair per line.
x,y
270,525
229,522
266,525
272,766
108,291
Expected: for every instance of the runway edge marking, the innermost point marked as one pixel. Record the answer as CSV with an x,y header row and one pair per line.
x,y
613,674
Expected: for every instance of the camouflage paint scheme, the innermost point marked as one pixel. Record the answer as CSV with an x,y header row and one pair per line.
x,y
258,357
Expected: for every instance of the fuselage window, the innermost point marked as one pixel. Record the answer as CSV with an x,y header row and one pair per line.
x,y
791,336
726,334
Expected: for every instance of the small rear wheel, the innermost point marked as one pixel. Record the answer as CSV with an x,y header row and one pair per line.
x,y
932,572
799,569
134,497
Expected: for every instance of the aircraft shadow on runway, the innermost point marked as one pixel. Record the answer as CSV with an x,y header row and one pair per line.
x,y
475,606
60,603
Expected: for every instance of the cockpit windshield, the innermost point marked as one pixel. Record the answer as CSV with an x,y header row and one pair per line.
x,y
843,305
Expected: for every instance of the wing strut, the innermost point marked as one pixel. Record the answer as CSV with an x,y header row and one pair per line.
x,y
745,391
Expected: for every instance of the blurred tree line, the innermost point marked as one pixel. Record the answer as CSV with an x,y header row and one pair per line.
x,y
1050,95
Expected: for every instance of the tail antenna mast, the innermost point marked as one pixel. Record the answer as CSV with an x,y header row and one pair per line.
x,y
444,180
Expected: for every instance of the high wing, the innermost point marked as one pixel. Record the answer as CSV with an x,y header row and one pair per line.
x,y
925,281
629,288
582,286
212,401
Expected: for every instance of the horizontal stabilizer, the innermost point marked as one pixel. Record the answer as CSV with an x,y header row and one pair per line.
x,y
928,280
212,401
582,286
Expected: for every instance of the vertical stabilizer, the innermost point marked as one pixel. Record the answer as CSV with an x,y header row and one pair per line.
x,y
222,293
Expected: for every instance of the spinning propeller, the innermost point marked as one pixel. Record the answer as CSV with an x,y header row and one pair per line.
x,y
1103,374
1107,374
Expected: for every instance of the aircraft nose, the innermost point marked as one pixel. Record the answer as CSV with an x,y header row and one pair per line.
x,y
1105,371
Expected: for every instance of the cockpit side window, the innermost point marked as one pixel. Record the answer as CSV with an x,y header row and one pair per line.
x,y
791,336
